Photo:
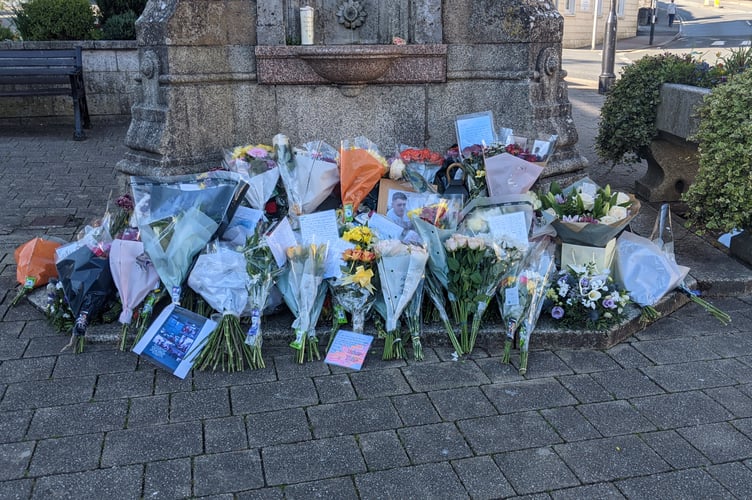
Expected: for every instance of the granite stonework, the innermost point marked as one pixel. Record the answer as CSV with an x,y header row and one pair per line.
x,y
217,74
672,156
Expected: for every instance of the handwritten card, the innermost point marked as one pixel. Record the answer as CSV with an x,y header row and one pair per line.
x,y
319,227
510,227
279,238
384,228
475,128
334,260
349,349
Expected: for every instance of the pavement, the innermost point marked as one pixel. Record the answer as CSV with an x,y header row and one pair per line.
x,y
666,413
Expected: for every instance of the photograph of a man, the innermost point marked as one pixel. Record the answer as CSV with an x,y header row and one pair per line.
x,y
397,209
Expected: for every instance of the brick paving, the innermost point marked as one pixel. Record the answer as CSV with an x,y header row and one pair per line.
x,y
665,414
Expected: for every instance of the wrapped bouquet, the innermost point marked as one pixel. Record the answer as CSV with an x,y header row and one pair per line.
x,y
361,167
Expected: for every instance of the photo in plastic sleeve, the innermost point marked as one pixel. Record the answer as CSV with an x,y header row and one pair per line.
x,y
171,339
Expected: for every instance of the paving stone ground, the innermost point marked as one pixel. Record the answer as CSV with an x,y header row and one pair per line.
x,y
665,414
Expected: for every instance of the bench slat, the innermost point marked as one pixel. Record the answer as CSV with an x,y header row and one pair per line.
x,y
39,71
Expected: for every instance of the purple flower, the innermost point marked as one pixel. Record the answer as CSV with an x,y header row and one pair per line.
x,y
584,282
560,199
609,303
557,312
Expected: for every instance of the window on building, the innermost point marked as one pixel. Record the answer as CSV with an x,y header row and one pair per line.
x,y
620,7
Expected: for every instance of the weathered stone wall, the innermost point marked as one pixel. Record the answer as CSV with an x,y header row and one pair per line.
x,y
110,69
202,90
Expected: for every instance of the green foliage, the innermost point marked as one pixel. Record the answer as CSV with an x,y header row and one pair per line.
x,y
627,122
120,27
6,33
110,8
56,20
720,198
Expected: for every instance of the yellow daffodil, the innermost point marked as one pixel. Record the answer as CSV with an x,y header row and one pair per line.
x,y
362,277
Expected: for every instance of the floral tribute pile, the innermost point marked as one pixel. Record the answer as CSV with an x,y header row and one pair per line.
x,y
342,234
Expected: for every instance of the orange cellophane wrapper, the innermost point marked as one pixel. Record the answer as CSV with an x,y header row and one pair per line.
x,y
36,258
359,172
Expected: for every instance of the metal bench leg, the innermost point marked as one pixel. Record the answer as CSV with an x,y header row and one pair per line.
x,y
78,133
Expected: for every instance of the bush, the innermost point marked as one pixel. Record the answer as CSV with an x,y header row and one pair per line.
x,y
628,114
6,33
120,27
111,8
56,20
627,122
720,198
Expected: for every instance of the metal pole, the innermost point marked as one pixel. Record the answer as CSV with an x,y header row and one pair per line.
x,y
595,24
609,52
652,21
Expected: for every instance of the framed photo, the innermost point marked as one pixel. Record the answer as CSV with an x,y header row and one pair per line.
x,y
172,338
388,189
475,128
541,149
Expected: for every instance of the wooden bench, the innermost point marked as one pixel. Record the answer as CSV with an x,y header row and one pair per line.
x,y
46,72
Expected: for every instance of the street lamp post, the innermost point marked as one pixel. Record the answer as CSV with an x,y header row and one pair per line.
x,y
609,52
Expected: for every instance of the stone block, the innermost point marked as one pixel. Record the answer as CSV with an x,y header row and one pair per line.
x,y
627,383
114,482
14,459
677,109
312,460
422,481
492,434
741,247
269,396
434,443
570,423
444,376
340,488
210,403
670,411
549,472
614,418
695,483
98,61
148,444
168,479
78,419
610,458
334,388
67,454
735,477
225,434
415,409
382,450
687,376
26,369
674,449
456,404
353,417
720,442
528,395
482,478
373,384
127,61
277,427
227,472
13,425
50,392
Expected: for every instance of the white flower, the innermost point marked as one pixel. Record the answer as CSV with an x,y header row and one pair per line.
x,y
587,200
597,283
551,212
608,219
461,240
535,200
396,169
622,198
594,295
618,212
477,225
451,245
475,244
563,290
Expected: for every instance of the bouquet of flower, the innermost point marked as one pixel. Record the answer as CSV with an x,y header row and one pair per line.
x,y
301,284
262,272
437,277
476,267
87,284
361,167
309,175
353,291
35,265
582,298
417,166
473,169
585,214
414,320
507,173
440,211
401,269
178,216
134,276
256,166
122,218
220,277
143,318
538,274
